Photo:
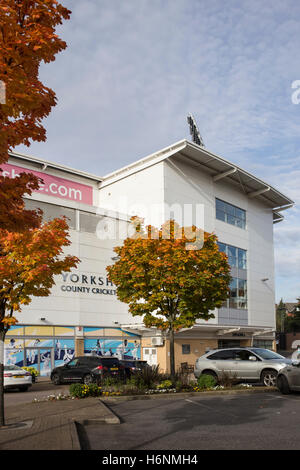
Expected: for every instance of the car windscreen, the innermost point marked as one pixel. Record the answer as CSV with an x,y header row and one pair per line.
x,y
267,354
11,367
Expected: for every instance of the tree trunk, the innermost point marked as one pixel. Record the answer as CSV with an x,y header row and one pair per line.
x,y
2,416
172,353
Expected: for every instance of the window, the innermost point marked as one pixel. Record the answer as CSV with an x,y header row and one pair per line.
x,y
238,294
230,214
229,343
186,349
50,211
237,257
242,355
222,355
89,222
263,343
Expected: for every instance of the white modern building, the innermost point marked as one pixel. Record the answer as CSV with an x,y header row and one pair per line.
x,y
185,182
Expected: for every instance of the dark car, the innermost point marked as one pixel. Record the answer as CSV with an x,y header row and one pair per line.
x,y
288,379
133,366
87,369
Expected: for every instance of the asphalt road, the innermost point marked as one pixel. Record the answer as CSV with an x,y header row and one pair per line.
x,y
251,421
39,390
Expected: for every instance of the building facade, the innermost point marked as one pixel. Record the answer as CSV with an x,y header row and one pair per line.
x,y
184,182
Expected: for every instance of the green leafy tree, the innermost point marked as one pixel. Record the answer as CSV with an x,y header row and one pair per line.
x,y
293,321
162,277
280,316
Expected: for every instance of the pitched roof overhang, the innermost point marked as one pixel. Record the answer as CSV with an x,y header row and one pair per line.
x,y
217,167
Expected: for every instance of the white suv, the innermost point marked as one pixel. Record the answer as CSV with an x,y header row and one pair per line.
x,y
247,364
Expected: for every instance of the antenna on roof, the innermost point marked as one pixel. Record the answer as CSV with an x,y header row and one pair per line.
x,y
196,136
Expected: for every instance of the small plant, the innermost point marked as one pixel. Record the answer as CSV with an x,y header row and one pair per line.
x,y
206,381
227,379
166,384
83,391
147,377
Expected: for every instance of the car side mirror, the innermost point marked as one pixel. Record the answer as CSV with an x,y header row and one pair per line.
x,y
252,358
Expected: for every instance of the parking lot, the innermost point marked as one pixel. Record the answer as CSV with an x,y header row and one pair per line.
x,y
249,421
39,390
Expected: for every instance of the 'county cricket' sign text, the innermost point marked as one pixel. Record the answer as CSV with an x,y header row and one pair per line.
x,y
54,185
87,284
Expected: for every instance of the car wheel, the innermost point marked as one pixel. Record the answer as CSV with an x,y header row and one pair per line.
x,y
55,379
88,379
283,385
269,378
24,389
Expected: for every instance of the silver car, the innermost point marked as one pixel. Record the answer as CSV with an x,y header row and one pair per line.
x,y
243,364
288,379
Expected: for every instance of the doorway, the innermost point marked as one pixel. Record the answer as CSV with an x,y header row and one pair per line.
x,y
149,355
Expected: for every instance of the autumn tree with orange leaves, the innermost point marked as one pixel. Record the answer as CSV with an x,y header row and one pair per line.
x,y
168,280
28,263
27,39
30,251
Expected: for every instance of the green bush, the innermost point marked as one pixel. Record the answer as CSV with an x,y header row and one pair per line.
x,y
83,391
165,384
147,377
206,381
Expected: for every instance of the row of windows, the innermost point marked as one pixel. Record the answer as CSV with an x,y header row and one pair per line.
x,y
230,214
87,222
243,355
237,258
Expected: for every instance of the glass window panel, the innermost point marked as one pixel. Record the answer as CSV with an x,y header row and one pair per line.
x,y
233,287
233,302
186,349
242,304
230,209
222,247
220,205
231,219
242,288
220,215
89,222
242,259
232,251
240,213
51,211
232,261
239,223
230,214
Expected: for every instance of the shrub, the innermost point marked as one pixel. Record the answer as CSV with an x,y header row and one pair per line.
x,y
83,391
166,384
206,381
147,377
227,379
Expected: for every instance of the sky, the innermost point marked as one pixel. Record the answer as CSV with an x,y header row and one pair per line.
x,y
134,69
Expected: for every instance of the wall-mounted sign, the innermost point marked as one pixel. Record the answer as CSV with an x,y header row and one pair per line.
x,y
87,284
54,185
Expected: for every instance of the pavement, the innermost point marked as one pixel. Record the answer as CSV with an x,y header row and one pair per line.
x,y
65,424
51,425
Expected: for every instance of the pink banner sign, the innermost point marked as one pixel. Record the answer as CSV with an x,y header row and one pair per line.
x,y
53,185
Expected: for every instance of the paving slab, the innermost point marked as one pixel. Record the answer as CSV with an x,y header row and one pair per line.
x,y
51,425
